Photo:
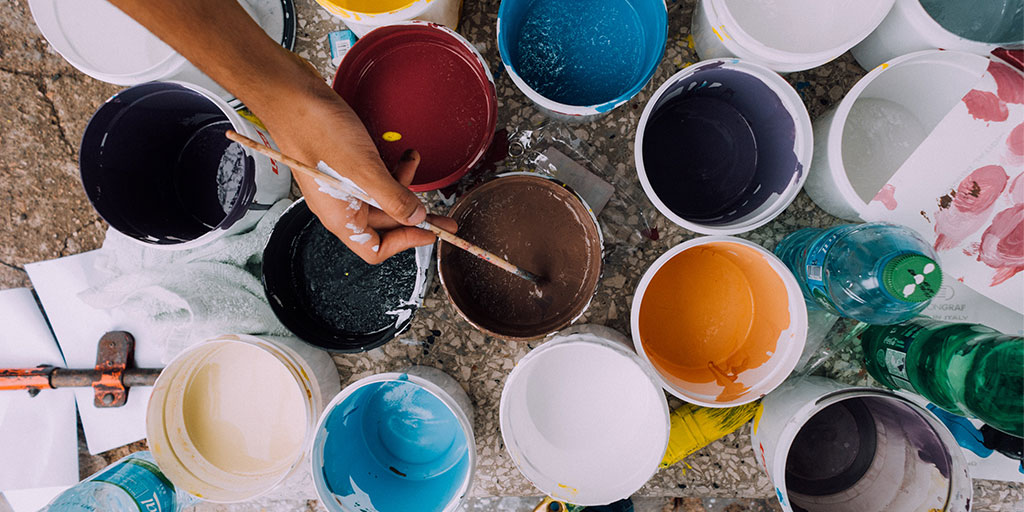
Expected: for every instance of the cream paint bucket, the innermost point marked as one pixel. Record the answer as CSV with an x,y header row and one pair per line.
x,y
960,25
583,418
362,16
395,442
862,142
783,35
231,418
99,40
832,448
721,320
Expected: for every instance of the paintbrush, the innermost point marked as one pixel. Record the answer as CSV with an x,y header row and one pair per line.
x,y
296,165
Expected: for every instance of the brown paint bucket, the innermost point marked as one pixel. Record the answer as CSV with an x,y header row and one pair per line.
x,y
538,224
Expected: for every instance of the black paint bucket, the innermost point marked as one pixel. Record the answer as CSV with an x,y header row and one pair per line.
x,y
156,166
328,296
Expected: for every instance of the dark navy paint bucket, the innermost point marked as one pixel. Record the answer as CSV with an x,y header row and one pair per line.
x,y
328,296
156,166
722,147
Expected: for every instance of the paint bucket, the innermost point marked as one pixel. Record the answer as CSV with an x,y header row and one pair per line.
x,y
99,40
832,448
156,166
394,442
231,418
863,141
791,35
428,77
577,59
721,320
914,25
534,222
329,297
583,418
722,147
362,16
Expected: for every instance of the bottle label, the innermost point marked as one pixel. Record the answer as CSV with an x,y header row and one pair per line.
x,y
815,268
892,353
144,482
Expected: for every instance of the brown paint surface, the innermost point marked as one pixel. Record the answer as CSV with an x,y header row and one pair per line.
x,y
712,312
535,224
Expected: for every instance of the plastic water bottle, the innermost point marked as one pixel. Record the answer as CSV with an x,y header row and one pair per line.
x,y
966,369
132,483
875,273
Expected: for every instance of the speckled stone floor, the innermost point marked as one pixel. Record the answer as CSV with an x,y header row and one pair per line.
x,y
44,214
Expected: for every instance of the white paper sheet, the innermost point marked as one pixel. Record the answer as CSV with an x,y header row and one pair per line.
x,y
78,328
39,433
31,500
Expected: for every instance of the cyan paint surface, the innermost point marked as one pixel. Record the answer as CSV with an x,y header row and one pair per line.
x,y
989,21
393,446
583,52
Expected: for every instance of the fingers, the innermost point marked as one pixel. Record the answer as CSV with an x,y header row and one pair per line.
x,y
380,220
393,195
406,168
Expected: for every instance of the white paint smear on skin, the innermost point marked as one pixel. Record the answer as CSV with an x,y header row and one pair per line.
x,y
360,238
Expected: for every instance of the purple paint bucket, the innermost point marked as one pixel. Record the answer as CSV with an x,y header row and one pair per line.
x,y
722,147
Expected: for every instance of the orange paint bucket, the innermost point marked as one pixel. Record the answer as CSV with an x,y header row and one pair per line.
x,y
720,319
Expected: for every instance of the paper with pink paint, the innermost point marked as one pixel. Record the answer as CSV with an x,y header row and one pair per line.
x,y
963,189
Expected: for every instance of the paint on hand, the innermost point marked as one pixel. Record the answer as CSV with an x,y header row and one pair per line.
x,y
391,136
711,313
346,192
963,212
1002,244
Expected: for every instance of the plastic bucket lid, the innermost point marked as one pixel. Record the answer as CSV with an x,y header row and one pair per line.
x,y
722,147
550,52
394,442
429,77
232,417
721,320
328,296
829,447
539,224
584,418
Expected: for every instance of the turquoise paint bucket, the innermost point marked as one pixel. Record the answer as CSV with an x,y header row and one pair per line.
x,y
576,59
396,442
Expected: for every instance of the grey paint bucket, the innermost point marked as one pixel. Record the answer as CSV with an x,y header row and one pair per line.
x,y
832,448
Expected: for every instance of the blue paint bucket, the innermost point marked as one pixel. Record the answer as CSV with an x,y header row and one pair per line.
x,y
722,146
395,442
576,59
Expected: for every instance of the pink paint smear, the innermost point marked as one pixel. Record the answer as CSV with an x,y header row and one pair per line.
x,y
1015,142
887,196
1002,244
986,106
1009,83
1016,191
973,201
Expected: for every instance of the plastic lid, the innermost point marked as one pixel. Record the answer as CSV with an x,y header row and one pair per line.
x,y
912,277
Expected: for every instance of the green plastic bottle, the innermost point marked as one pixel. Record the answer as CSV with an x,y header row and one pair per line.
x,y
966,369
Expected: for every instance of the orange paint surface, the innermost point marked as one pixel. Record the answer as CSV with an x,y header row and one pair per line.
x,y
372,6
712,312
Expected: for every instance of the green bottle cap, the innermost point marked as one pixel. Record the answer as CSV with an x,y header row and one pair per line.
x,y
912,277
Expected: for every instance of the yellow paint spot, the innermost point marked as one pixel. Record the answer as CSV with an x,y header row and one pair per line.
x,y
757,417
249,116
689,42
572,490
391,136
882,66
713,29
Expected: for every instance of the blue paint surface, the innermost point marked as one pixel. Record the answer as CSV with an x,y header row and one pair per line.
x,y
966,434
583,52
392,446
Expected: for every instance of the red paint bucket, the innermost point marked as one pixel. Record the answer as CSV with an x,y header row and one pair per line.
x,y
421,86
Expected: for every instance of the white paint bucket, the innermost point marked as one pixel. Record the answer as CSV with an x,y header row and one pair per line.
x,y
583,418
910,27
394,442
720,319
760,181
783,35
197,186
231,418
103,42
856,449
862,142
362,16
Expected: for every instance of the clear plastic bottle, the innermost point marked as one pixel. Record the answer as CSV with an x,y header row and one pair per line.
x,y
875,273
966,369
133,483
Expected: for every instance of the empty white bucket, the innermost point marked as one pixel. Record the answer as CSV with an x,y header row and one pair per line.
x,y
784,35
362,16
863,141
832,448
962,25
584,418
231,418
